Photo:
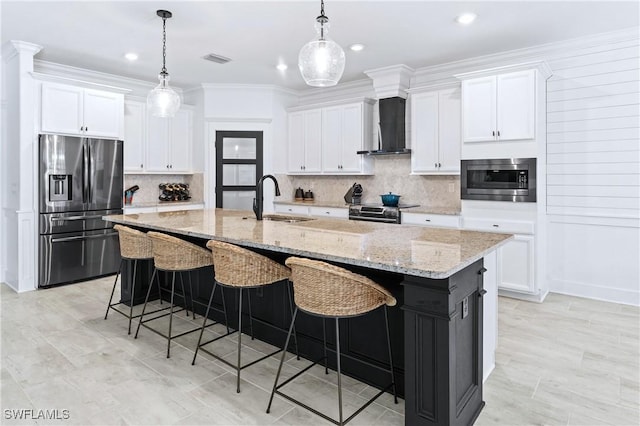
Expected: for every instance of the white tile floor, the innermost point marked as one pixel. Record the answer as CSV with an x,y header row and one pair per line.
x,y
568,361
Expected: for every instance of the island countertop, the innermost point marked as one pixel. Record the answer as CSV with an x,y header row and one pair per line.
x,y
410,250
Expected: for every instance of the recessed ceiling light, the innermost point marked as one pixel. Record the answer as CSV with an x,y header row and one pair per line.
x,y
356,47
466,18
131,56
282,67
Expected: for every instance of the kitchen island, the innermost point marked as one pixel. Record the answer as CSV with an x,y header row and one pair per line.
x,y
435,274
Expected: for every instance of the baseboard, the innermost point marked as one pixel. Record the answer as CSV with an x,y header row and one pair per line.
x,y
486,373
538,298
591,291
10,286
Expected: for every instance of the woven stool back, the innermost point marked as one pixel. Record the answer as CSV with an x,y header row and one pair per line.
x,y
238,267
173,254
325,289
133,243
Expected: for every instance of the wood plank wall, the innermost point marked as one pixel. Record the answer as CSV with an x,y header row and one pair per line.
x,y
593,132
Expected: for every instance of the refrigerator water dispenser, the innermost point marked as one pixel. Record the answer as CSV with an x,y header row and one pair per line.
x,y
60,187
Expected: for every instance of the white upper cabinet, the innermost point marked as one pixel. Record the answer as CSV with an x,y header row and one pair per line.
x,y
499,107
305,138
77,111
435,132
169,144
157,145
325,140
135,128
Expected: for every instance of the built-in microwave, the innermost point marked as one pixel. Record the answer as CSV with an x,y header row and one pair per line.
x,y
505,179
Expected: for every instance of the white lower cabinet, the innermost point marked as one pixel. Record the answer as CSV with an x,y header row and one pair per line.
x,y
162,208
318,211
438,220
291,209
516,259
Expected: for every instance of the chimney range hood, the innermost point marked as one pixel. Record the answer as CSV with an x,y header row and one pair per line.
x,y
391,129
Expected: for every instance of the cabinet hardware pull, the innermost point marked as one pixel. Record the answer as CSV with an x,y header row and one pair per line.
x,y
439,165
496,226
427,220
493,133
141,166
327,212
480,272
498,132
482,293
435,165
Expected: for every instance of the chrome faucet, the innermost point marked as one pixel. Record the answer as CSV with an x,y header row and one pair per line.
x,y
259,201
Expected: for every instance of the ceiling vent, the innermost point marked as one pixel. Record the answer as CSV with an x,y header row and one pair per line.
x,y
218,59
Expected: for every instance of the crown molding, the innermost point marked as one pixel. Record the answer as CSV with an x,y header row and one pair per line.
x,y
354,89
237,120
541,66
336,102
391,81
238,86
76,82
12,48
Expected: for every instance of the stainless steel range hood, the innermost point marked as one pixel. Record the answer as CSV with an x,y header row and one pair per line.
x,y
391,129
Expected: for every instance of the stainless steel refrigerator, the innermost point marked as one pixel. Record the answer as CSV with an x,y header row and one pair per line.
x,y
80,181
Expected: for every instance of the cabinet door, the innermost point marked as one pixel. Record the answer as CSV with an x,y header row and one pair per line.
x,y
332,139
61,109
516,263
516,105
158,144
424,132
103,113
134,136
449,131
352,139
180,142
479,109
296,142
313,141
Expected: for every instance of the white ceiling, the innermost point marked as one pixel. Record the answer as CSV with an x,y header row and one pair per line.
x,y
257,35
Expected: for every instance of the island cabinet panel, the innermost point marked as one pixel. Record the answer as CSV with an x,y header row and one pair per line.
x,y
443,352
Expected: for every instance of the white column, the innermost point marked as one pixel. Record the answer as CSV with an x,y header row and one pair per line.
x,y
18,168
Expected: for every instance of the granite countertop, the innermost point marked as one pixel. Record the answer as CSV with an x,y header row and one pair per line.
x,y
411,250
342,204
162,203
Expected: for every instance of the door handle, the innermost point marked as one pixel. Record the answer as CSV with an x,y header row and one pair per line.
x,y
78,238
85,172
70,218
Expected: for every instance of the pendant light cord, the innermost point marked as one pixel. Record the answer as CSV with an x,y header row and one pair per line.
x,y
322,19
164,46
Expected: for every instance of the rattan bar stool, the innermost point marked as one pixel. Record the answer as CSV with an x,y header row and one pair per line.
x,y
327,291
240,268
171,254
134,245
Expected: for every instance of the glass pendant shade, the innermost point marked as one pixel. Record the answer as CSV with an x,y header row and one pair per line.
x,y
163,101
321,61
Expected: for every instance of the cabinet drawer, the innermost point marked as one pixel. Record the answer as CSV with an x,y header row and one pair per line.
x,y
507,226
288,208
329,212
444,221
136,210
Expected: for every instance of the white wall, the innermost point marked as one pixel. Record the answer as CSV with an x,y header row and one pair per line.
x,y
593,160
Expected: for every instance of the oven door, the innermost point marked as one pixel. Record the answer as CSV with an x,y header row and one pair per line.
x,y
499,180
77,256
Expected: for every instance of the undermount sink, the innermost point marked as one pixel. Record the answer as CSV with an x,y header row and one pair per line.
x,y
288,219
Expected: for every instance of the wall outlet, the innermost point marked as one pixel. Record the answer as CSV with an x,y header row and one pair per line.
x,y
452,187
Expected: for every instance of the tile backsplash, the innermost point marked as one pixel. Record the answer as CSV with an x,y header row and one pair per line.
x,y
149,191
392,174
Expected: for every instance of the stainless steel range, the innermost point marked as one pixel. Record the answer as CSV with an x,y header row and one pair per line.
x,y
378,213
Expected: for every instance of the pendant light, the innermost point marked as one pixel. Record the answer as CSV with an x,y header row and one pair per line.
x,y
321,61
163,101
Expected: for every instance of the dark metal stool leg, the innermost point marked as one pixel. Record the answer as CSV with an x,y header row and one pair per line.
x,y
224,308
239,340
184,295
204,322
113,290
393,379
250,315
295,335
324,345
193,309
146,299
339,373
284,354
133,287
173,292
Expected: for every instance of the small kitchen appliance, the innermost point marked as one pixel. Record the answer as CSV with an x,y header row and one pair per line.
x,y
505,179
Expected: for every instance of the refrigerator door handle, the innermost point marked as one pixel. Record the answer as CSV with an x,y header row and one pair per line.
x,y
89,165
67,218
85,172
88,237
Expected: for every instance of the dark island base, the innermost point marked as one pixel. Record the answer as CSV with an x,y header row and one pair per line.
x,y
436,335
